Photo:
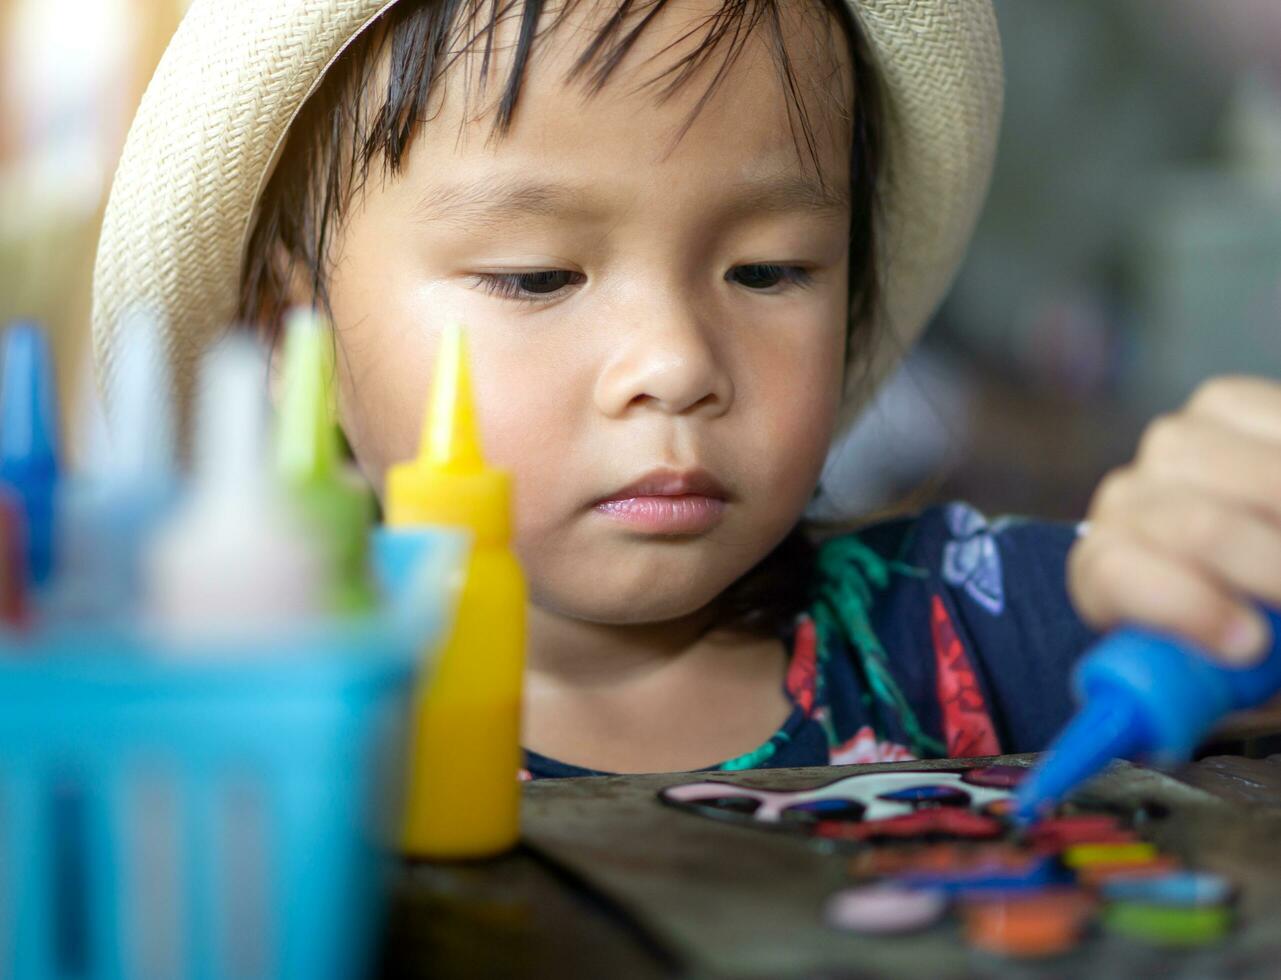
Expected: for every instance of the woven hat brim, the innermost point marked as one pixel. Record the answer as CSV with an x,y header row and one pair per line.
x,y
215,116
940,64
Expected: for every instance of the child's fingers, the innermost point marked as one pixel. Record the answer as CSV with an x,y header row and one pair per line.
x,y
1182,537
1237,547
1206,453
1117,579
1250,405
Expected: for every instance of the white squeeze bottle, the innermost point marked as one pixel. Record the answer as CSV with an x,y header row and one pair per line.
x,y
235,562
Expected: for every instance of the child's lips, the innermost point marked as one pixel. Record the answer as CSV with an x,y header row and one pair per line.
x,y
689,513
668,502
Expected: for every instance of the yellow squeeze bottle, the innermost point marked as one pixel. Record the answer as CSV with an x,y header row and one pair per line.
x,y
463,798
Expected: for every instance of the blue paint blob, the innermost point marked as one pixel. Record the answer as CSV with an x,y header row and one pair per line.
x,y
929,796
1035,875
834,809
1183,889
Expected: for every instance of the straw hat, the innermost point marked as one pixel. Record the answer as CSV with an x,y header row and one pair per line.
x,y
214,119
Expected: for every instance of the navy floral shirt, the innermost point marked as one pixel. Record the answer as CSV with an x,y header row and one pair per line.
x,y
939,635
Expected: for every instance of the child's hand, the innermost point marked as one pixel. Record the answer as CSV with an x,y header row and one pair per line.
x,y
1182,538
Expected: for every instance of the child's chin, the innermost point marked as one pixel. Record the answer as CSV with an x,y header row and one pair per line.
x,y
653,605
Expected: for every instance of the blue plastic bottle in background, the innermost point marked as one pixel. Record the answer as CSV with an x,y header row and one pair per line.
x,y
1145,697
29,438
125,488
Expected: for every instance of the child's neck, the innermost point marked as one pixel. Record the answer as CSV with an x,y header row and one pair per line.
x,y
649,697
579,654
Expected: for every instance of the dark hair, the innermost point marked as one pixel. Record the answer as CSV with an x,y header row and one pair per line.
x,y
346,127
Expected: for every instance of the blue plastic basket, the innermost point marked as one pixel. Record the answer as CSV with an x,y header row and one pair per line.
x,y
201,816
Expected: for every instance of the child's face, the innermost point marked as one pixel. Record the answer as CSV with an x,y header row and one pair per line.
x,y
636,330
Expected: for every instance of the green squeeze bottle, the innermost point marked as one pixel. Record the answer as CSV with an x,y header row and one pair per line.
x,y
333,501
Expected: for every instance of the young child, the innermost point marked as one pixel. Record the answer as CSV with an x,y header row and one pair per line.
x,y
687,238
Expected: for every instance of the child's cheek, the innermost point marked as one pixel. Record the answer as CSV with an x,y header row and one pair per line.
x,y
530,428
380,410
387,335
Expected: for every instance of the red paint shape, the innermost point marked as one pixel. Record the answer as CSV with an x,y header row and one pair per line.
x,y
998,808
802,672
932,822
967,727
863,747
1051,836
996,777
1082,823
14,610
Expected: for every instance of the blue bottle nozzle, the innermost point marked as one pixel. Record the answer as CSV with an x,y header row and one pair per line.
x,y
1106,728
1146,696
29,438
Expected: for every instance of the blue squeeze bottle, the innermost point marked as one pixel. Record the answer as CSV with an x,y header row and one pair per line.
x,y
29,439
1149,697
127,487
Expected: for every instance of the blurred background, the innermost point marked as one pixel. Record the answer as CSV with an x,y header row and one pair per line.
x,y
1131,245
71,74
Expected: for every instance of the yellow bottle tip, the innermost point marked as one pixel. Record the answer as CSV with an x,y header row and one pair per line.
x,y
450,439
448,483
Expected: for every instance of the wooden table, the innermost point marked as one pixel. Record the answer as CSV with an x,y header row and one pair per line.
x,y
611,884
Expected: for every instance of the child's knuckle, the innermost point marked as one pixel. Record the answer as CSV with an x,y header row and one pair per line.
x,y
1164,438
1219,394
1114,490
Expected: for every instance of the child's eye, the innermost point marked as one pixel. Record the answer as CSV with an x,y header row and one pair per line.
x,y
765,275
529,286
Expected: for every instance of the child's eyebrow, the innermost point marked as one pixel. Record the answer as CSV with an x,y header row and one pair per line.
x,y
488,202
481,202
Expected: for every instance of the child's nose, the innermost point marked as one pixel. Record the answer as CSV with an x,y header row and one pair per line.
x,y
670,364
